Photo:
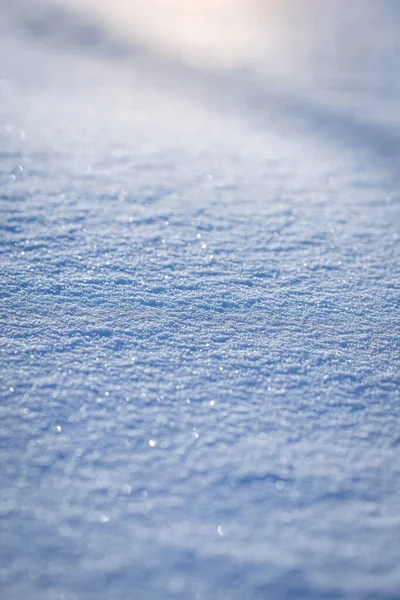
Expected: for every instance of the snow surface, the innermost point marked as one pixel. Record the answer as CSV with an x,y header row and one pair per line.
x,y
200,294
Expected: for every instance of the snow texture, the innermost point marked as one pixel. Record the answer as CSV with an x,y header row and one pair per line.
x,y
199,304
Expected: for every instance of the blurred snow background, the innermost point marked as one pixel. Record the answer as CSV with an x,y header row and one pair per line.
x,y
200,294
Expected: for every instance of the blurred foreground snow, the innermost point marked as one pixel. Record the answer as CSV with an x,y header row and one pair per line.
x,y
200,277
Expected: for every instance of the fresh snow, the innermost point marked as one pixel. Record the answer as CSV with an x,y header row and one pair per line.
x,y
200,303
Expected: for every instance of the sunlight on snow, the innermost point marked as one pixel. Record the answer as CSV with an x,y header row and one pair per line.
x,y
211,32
284,38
